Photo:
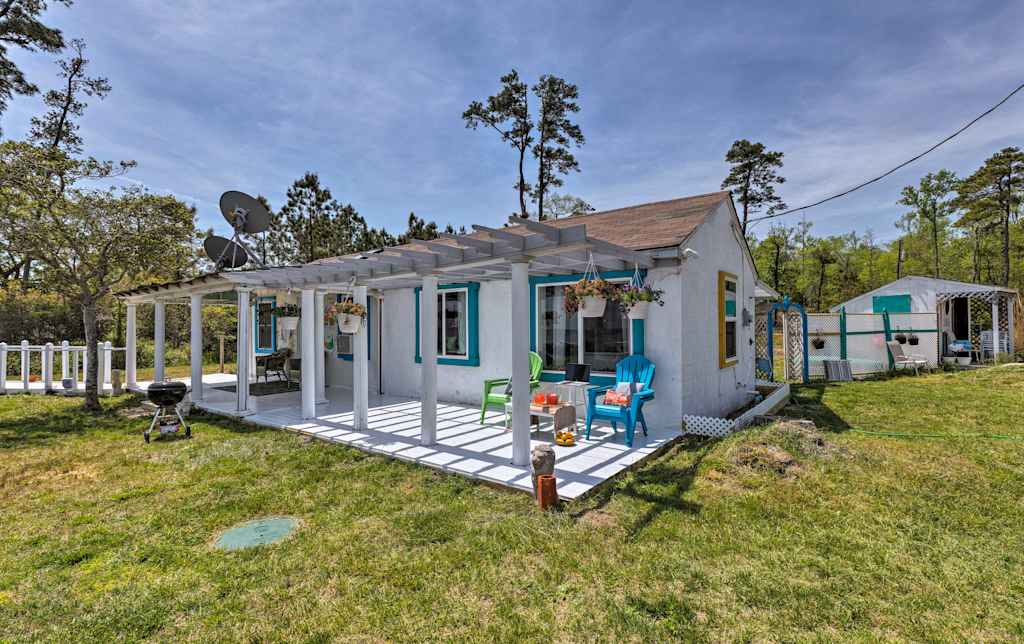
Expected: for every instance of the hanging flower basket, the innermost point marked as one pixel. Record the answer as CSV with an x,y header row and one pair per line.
x,y
287,317
818,343
913,340
637,299
901,338
350,316
593,306
589,296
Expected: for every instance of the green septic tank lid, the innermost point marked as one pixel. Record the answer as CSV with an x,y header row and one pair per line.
x,y
258,532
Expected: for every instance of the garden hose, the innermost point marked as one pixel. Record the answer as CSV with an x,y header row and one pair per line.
x,y
908,435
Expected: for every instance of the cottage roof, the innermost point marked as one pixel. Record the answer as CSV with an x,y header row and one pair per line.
x,y
613,239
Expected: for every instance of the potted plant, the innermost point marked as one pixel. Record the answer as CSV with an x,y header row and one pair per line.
x,y
818,342
900,337
589,296
963,358
349,315
287,316
913,340
637,299
949,359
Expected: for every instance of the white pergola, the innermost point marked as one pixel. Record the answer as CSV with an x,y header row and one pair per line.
x,y
1001,299
509,253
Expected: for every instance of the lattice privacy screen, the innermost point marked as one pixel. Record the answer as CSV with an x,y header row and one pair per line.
x,y
794,343
761,345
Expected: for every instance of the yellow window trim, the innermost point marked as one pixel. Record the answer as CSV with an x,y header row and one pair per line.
x,y
724,362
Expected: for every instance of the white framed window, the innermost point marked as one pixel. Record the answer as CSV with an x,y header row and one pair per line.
x,y
452,317
564,338
458,332
728,288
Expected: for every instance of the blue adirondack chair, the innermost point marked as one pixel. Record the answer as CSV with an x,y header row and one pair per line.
x,y
634,369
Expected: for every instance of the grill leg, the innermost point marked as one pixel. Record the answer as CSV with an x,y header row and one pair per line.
x,y
178,412
152,424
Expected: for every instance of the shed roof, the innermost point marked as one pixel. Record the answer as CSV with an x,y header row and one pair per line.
x,y
940,287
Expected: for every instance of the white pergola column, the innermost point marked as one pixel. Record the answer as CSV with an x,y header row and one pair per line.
x,y
321,376
428,356
196,345
1011,302
159,317
243,339
995,328
130,350
307,342
520,345
360,368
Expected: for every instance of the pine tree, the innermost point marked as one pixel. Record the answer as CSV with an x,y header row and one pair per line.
x,y
753,177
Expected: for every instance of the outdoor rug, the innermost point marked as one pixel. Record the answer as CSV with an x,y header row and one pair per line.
x,y
266,388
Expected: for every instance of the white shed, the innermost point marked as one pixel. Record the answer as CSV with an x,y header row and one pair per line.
x,y
979,314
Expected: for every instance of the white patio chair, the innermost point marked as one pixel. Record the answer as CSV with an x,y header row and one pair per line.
x,y
900,359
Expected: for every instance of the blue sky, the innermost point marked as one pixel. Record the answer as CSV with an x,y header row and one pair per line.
x,y
249,95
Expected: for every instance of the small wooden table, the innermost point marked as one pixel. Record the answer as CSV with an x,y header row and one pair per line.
x,y
562,415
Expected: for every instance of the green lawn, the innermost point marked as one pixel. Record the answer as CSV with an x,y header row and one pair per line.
x,y
862,537
183,371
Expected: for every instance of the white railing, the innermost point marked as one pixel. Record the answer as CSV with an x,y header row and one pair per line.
x,y
74,363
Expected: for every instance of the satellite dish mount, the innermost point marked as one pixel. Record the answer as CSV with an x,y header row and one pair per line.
x,y
246,215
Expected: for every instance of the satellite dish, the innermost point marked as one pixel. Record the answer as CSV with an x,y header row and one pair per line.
x,y
225,253
244,213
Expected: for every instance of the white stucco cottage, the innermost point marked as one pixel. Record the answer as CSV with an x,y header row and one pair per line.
x,y
490,297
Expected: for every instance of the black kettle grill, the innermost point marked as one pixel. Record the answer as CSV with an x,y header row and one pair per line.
x,y
166,395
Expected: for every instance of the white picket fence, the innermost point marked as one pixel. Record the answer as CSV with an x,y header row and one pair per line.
x,y
73,359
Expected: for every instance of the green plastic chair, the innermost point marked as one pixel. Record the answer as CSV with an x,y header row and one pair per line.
x,y
499,397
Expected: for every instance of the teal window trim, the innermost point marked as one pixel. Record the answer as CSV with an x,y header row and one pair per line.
x,y
472,358
638,327
256,325
369,329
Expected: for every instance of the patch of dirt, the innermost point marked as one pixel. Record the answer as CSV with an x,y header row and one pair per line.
x,y
722,481
766,457
778,449
137,411
599,519
808,439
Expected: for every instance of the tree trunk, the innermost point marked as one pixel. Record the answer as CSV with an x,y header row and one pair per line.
x,y
935,242
522,185
821,284
1006,246
92,393
976,257
541,184
775,267
745,212
899,259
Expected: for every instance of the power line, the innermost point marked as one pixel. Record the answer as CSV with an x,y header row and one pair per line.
x,y
900,166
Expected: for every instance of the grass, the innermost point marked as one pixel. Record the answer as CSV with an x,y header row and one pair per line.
x,y
182,371
106,538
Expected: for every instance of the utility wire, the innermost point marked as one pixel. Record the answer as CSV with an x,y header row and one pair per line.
x,y
900,166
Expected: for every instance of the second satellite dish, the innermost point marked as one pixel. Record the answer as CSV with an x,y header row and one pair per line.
x,y
225,253
244,213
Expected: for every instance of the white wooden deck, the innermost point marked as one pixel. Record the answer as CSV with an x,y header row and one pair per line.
x,y
464,446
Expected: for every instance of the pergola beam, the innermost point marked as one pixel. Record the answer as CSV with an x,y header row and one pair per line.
x,y
485,253
484,247
443,249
